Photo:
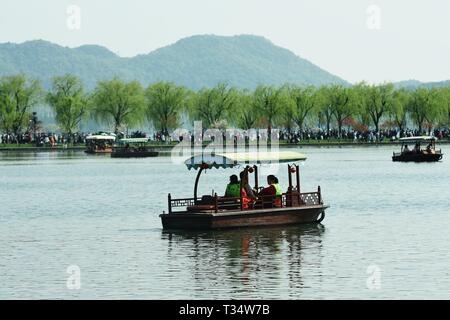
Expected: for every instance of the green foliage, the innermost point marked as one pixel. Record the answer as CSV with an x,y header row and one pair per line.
x,y
125,104
119,103
444,98
399,110
17,96
165,101
70,103
214,106
425,105
304,101
373,102
325,107
269,102
340,99
246,115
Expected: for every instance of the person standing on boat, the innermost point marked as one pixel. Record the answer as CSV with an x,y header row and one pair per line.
x,y
233,188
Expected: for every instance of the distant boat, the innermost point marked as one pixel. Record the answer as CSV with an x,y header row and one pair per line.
x,y
133,148
417,153
100,143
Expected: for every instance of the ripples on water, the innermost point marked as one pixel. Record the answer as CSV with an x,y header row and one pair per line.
x,y
101,214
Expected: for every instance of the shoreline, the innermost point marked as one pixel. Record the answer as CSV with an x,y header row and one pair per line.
x,y
168,148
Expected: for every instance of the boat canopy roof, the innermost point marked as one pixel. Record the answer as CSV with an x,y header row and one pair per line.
x,y
229,160
134,140
418,139
101,137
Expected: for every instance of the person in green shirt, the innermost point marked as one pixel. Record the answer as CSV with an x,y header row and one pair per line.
x,y
233,188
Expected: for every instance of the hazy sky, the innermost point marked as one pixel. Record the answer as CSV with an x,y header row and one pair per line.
x,y
378,40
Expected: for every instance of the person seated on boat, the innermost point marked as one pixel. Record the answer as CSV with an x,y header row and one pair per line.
x,y
273,191
430,149
233,188
248,196
278,194
406,149
417,148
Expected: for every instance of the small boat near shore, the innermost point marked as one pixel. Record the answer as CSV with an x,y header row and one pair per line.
x,y
215,212
100,143
133,148
417,153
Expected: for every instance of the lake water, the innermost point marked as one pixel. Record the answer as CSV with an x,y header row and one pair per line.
x,y
386,234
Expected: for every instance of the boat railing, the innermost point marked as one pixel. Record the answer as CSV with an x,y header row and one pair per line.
x,y
216,203
422,151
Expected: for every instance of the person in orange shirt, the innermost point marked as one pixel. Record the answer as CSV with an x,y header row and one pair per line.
x,y
248,196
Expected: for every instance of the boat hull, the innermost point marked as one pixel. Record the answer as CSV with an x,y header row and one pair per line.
x,y
417,157
105,151
134,154
238,219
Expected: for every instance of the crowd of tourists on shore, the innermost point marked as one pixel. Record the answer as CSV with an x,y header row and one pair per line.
x,y
351,135
43,139
292,136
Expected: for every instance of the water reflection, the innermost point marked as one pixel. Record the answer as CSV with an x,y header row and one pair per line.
x,y
41,155
246,260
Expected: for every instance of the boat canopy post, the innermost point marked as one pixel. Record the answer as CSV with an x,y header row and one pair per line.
x,y
196,182
169,200
216,204
255,167
319,192
290,178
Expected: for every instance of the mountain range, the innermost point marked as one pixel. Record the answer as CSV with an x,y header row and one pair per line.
x,y
195,62
244,61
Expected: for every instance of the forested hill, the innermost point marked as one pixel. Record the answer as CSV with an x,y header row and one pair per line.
x,y
414,84
195,62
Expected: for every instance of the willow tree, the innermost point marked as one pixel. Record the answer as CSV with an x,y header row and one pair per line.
x,y
246,115
373,101
18,95
379,103
119,103
425,106
324,106
214,106
399,110
341,104
165,102
269,102
70,103
304,102
444,94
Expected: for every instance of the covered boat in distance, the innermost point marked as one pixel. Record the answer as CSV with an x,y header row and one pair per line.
x,y
133,148
100,143
413,149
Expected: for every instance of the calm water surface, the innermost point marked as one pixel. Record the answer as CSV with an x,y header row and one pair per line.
x,y
386,234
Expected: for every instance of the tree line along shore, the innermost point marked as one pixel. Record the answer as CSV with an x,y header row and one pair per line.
x,y
303,114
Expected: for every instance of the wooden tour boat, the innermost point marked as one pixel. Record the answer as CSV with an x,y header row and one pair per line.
x,y
133,148
418,154
100,143
215,212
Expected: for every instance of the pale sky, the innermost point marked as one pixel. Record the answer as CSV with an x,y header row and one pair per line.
x,y
340,36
